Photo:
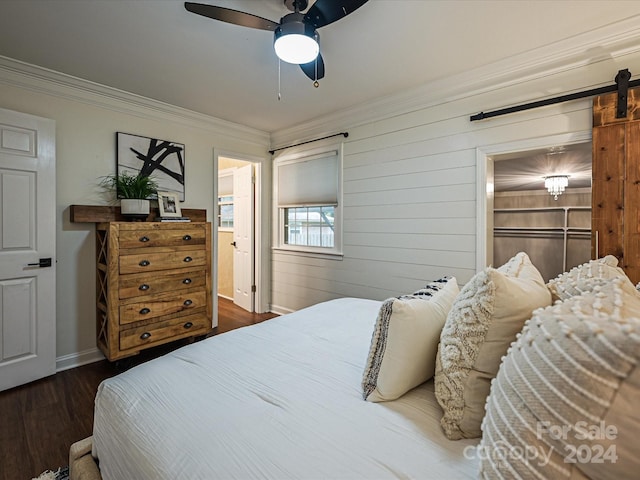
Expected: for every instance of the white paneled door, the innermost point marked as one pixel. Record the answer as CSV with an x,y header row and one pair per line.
x,y
243,207
27,248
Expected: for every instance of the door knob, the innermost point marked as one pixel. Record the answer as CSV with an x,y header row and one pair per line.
x,y
233,243
43,262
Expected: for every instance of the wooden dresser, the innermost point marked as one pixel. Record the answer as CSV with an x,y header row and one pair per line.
x,y
153,284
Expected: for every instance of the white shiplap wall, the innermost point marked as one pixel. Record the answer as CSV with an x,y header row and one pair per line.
x,y
410,180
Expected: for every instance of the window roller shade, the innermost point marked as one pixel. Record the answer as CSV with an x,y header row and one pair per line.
x,y
225,185
309,182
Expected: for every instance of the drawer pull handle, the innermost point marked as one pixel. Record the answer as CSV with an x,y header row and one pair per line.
x,y
144,287
187,303
144,239
186,281
144,263
144,311
145,335
186,238
188,325
187,259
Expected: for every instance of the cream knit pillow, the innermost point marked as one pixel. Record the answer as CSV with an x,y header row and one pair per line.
x,y
565,401
584,277
405,341
485,318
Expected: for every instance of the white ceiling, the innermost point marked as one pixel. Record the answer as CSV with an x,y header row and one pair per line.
x,y
155,48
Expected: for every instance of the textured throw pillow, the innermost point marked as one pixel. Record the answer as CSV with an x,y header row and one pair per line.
x,y
485,318
405,341
584,277
565,401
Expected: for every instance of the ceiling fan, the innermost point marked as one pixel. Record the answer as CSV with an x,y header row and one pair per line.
x,y
295,37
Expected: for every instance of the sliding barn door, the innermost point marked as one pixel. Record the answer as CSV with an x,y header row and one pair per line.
x,y
615,223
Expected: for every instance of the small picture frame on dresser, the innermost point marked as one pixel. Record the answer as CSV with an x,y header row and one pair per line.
x,y
168,204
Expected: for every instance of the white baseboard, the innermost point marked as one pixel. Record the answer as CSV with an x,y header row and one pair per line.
x,y
224,296
280,310
78,359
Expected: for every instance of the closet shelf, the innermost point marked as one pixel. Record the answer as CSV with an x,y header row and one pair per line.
x,y
558,217
535,232
544,229
539,209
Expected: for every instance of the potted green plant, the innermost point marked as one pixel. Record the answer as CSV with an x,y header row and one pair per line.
x,y
132,190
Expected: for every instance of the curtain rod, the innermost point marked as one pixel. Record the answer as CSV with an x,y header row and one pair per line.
x,y
621,86
345,134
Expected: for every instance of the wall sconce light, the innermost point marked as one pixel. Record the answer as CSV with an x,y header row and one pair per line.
x,y
556,184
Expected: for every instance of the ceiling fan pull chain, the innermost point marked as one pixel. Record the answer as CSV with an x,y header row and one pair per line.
x,y
315,80
279,96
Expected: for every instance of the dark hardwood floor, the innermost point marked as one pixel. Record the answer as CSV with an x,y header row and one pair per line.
x,y
39,421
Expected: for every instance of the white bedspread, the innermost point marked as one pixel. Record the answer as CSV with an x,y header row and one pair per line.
x,y
278,400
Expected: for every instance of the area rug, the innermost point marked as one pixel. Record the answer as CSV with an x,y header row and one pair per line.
x,y
61,474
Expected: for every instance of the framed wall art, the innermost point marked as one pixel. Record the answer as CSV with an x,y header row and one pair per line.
x,y
162,160
168,204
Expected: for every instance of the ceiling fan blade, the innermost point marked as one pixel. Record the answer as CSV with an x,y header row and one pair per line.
x,y
231,16
309,69
324,12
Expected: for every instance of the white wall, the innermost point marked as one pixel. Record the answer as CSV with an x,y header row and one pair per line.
x,y
410,164
87,117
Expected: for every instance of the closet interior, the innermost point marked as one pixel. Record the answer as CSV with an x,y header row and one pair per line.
x,y
554,228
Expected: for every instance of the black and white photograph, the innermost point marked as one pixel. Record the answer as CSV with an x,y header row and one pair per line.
x,y
168,204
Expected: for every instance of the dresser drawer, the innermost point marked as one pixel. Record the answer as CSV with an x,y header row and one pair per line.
x,y
153,261
164,235
135,312
139,284
158,332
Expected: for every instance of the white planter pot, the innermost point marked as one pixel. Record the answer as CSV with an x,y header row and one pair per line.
x,y
134,206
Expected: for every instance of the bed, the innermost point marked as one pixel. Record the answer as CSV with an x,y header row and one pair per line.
x,y
284,399
281,399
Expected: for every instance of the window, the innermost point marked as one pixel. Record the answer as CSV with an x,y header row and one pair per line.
x,y
308,202
225,199
225,212
310,226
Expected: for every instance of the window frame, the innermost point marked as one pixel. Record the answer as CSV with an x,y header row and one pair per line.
x,y
229,172
286,232
222,228
298,155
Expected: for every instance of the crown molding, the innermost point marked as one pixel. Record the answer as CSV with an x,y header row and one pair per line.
x,y
607,43
39,79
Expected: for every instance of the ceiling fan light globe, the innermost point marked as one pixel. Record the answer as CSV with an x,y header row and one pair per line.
x,y
296,48
296,41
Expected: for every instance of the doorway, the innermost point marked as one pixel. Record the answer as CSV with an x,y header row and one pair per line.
x,y
518,212
535,213
238,232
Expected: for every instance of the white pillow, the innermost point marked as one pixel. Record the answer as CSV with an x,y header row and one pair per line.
x,y
405,341
485,318
584,277
566,395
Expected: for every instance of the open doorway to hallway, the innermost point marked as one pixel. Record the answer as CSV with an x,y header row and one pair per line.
x,y
236,226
